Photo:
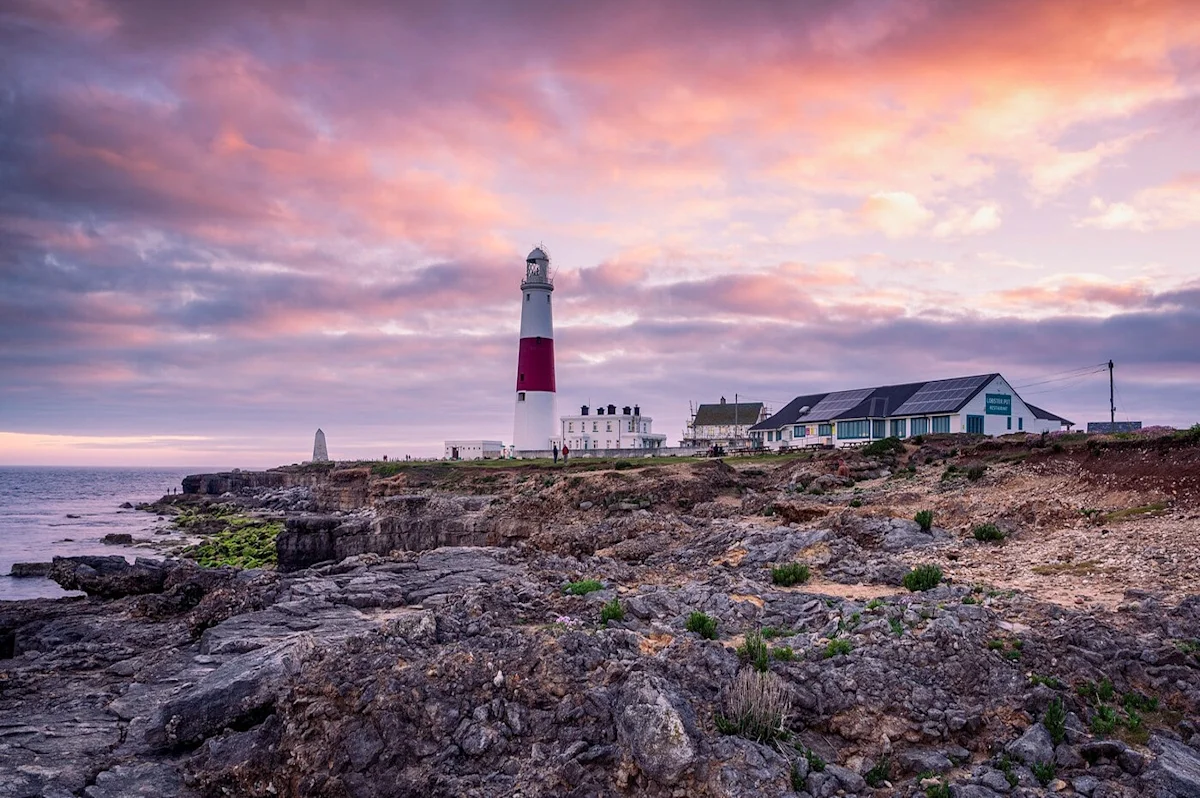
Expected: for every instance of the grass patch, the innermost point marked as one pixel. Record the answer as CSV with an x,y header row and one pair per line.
x,y
757,707
924,519
753,651
838,647
897,627
988,533
703,625
1134,512
1055,721
1104,720
783,653
975,471
874,604
583,587
880,773
792,573
1085,568
923,577
1043,772
243,543
612,611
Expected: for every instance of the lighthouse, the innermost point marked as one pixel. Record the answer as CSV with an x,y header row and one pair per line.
x,y
536,412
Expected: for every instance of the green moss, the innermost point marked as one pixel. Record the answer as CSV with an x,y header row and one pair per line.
x,y
243,543
583,587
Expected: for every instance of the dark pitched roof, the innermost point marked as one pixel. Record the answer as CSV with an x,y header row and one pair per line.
x,y
790,413
725,414
944,396
1048,416
882,401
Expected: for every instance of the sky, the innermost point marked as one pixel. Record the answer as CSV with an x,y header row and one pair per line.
x,y
226,224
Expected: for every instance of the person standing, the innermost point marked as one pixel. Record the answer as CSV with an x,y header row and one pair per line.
x,y
565,452
554,451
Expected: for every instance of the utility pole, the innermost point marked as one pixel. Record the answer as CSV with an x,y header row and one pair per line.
x,y
1112,406
735,419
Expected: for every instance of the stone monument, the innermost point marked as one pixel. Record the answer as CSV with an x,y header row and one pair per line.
x,y
320,453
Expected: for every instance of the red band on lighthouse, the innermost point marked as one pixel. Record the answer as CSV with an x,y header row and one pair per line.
x,y
535,365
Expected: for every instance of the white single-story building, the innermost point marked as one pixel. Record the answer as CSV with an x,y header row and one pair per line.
x,y
474,450
984,404
628,429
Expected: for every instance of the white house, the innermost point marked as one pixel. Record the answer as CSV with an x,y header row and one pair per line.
x,y
474,450
608,429
984,404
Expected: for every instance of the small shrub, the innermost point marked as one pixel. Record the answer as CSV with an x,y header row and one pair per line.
x,y
987,533
798,778
1104,721
757,707
1055,721
924,519
950,473
969,600
880,773
612,611
703,625
897,626
783,653
1057,448
754,652
975,471
923,577
856,503
1134,701
839,646
1049,681
1104,690
1043,772
815,763
883,447
1012,655
792,573
919,440
623,465
996,645
583,587
874,604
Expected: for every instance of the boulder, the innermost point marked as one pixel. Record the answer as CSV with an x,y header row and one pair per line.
x,y
1033,746
652,729
1176,771
112,576
29,569
240,691
117,539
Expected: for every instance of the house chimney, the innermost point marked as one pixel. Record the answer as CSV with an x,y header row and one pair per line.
x,y
722,400
612,410
637,411
625,410
583,411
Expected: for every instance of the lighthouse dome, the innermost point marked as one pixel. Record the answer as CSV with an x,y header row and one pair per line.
x,y
537,254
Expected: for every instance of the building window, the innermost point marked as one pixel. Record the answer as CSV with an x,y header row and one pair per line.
x,y
848,430
1021,422
595,426
879,428
797,432
608,427
898,427
824,429
941,424
975,425
1009,422
920,426
570,426
631,426
520,396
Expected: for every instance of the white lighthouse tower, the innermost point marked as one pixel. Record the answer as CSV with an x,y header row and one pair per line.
x,y
537,411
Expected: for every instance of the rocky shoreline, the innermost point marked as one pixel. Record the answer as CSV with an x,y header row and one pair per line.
x,y
536,632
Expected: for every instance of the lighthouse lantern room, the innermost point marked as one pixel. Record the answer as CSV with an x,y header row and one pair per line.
x,y
536,414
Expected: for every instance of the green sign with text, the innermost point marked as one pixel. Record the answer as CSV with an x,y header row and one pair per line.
x,y
998,404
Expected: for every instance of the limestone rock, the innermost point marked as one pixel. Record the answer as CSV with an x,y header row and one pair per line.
x,y
1033,746
111,577
653,731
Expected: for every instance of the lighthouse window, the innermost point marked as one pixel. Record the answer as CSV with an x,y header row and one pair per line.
x,y
520,396
527,297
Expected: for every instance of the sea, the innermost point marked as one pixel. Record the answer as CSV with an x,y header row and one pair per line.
x,y
53,511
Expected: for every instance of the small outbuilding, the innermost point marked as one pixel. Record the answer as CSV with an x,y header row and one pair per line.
x,y
474,450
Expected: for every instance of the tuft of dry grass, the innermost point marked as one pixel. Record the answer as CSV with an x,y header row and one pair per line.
x,y
757,706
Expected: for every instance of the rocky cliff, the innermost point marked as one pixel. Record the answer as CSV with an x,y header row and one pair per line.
x,y
635,632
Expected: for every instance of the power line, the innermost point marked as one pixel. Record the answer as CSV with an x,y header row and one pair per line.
x,y
1072,374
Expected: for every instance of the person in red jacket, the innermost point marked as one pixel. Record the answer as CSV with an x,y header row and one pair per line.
x,y
565,452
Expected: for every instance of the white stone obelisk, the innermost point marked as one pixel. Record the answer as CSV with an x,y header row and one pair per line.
x,y
536,406
320,453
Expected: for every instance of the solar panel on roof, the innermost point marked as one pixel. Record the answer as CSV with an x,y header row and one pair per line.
x,y
943,396
837,402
